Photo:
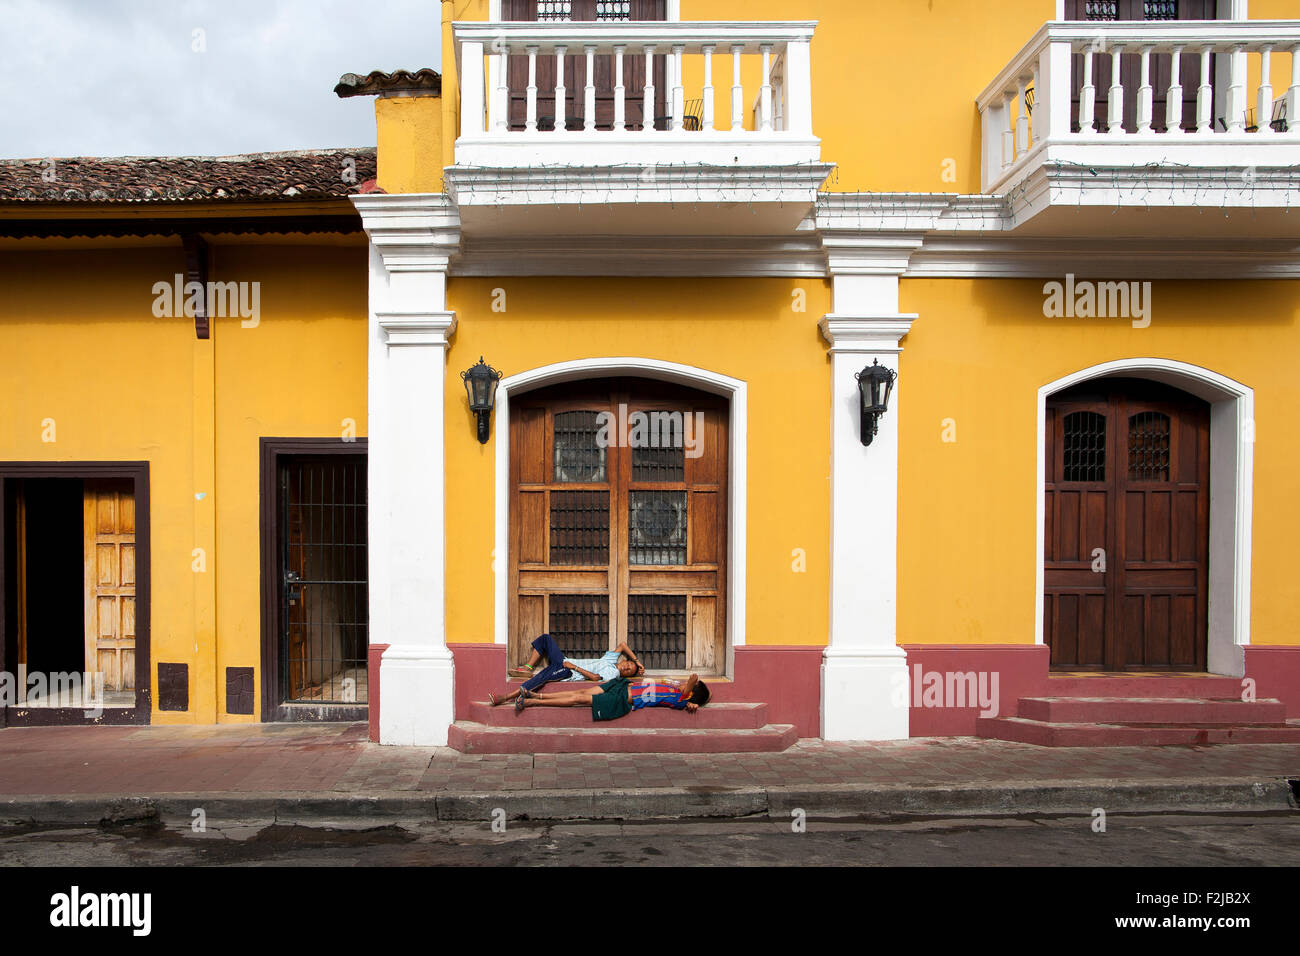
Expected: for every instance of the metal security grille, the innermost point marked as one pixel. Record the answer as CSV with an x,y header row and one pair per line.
x,y
579,527
656,628
1101,10
580,623
1148,447
579,456
616,10
661,454
324,609
554,9
1160,10
1085,447
657,527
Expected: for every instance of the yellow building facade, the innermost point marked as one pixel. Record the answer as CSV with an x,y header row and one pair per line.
x,y
968,337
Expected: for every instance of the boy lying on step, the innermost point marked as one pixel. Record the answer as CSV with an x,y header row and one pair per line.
x,y
620,696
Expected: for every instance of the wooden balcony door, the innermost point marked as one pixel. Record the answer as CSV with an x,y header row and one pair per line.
x,y
110,581
619,535
1126,528
1161,65
575,66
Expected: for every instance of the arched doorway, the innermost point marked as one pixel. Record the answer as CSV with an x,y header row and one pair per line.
x,y
1126,526
618,493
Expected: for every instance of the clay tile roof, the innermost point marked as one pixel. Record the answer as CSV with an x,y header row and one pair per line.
x,y
294,175
399,81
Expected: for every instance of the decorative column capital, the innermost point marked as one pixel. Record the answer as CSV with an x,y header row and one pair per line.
x,y
415,232
428,329
866,333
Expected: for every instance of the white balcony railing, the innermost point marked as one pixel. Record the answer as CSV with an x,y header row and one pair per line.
x,y
1239,121
705,115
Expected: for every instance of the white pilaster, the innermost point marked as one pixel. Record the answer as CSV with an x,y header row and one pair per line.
x,y
864,671
412,239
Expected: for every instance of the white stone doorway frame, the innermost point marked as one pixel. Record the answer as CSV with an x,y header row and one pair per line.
x,y
1232,468
732,389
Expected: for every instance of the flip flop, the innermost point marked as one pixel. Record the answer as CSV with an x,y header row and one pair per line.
x,y
519,701
524,671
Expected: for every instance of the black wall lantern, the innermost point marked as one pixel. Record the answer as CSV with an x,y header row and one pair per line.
x,y
875,382
481,386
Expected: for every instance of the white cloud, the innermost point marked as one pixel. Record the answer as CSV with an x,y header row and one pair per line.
x,y
120,77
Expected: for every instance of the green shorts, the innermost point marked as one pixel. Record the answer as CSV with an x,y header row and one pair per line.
x,y
612,702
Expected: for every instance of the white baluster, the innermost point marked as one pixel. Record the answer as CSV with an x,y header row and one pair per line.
x,y
1237,90
471,88
766,109
589,97
1205,95
501,99
737,90
1031,130
648,114
708,121
1174,98
679,94
1087,96
1146,97
1265,91
560,92
620,93
1022,118
1115,97
1008,132
531,123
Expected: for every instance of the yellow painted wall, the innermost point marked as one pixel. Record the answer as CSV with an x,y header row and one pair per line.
x,y
744,328
409,134
979,353
79,344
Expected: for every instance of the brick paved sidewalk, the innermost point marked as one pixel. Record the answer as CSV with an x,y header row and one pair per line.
x,y
253,758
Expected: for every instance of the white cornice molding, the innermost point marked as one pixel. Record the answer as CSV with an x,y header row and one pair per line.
x,y
866,333
422,329
681,184
414,232
800,255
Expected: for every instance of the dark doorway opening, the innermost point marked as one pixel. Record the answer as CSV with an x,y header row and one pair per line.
x,y
315,580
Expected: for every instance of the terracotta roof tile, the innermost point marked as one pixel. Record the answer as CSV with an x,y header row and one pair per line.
x,y
295,175
399,81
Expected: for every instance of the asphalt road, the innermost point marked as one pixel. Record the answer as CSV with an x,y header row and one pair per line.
x,y
1151,840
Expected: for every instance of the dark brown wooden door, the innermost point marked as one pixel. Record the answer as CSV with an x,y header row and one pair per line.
x,y
1126,537
620,538
1131,63
575,66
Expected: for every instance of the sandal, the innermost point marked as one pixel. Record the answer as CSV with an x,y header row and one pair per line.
x,y
522,671
519,701
493,699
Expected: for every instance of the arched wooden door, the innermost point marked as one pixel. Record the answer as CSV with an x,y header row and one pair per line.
x,y
618,522
1126,533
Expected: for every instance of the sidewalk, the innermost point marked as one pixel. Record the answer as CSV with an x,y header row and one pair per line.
x,y
60,774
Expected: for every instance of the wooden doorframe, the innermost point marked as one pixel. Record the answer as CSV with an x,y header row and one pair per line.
x,y
270,451
1232,471
734,391
138,473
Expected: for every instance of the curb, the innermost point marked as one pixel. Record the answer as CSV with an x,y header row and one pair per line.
x,y
1266,795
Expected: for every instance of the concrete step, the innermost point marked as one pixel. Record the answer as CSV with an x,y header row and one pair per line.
x,y
617,737
709,717
1146,685
1151,710
1044,734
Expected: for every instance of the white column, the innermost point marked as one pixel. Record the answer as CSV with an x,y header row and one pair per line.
x,y
531,123
501,99
589,92
798,88
678,91
412,239
1293,94
1022,117
1174,98
1087,96
648,111
1205,95
864,671
737,90
765,93
471,88
560,91
707,121
1237,90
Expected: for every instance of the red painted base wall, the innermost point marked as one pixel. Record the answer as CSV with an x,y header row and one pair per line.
x,y
374,655
1021,671
1276,671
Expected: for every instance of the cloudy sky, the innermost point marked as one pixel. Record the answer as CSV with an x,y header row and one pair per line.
x,y
198,77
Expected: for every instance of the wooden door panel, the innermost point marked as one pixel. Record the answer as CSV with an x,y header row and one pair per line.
x,y
109,539
1148,608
